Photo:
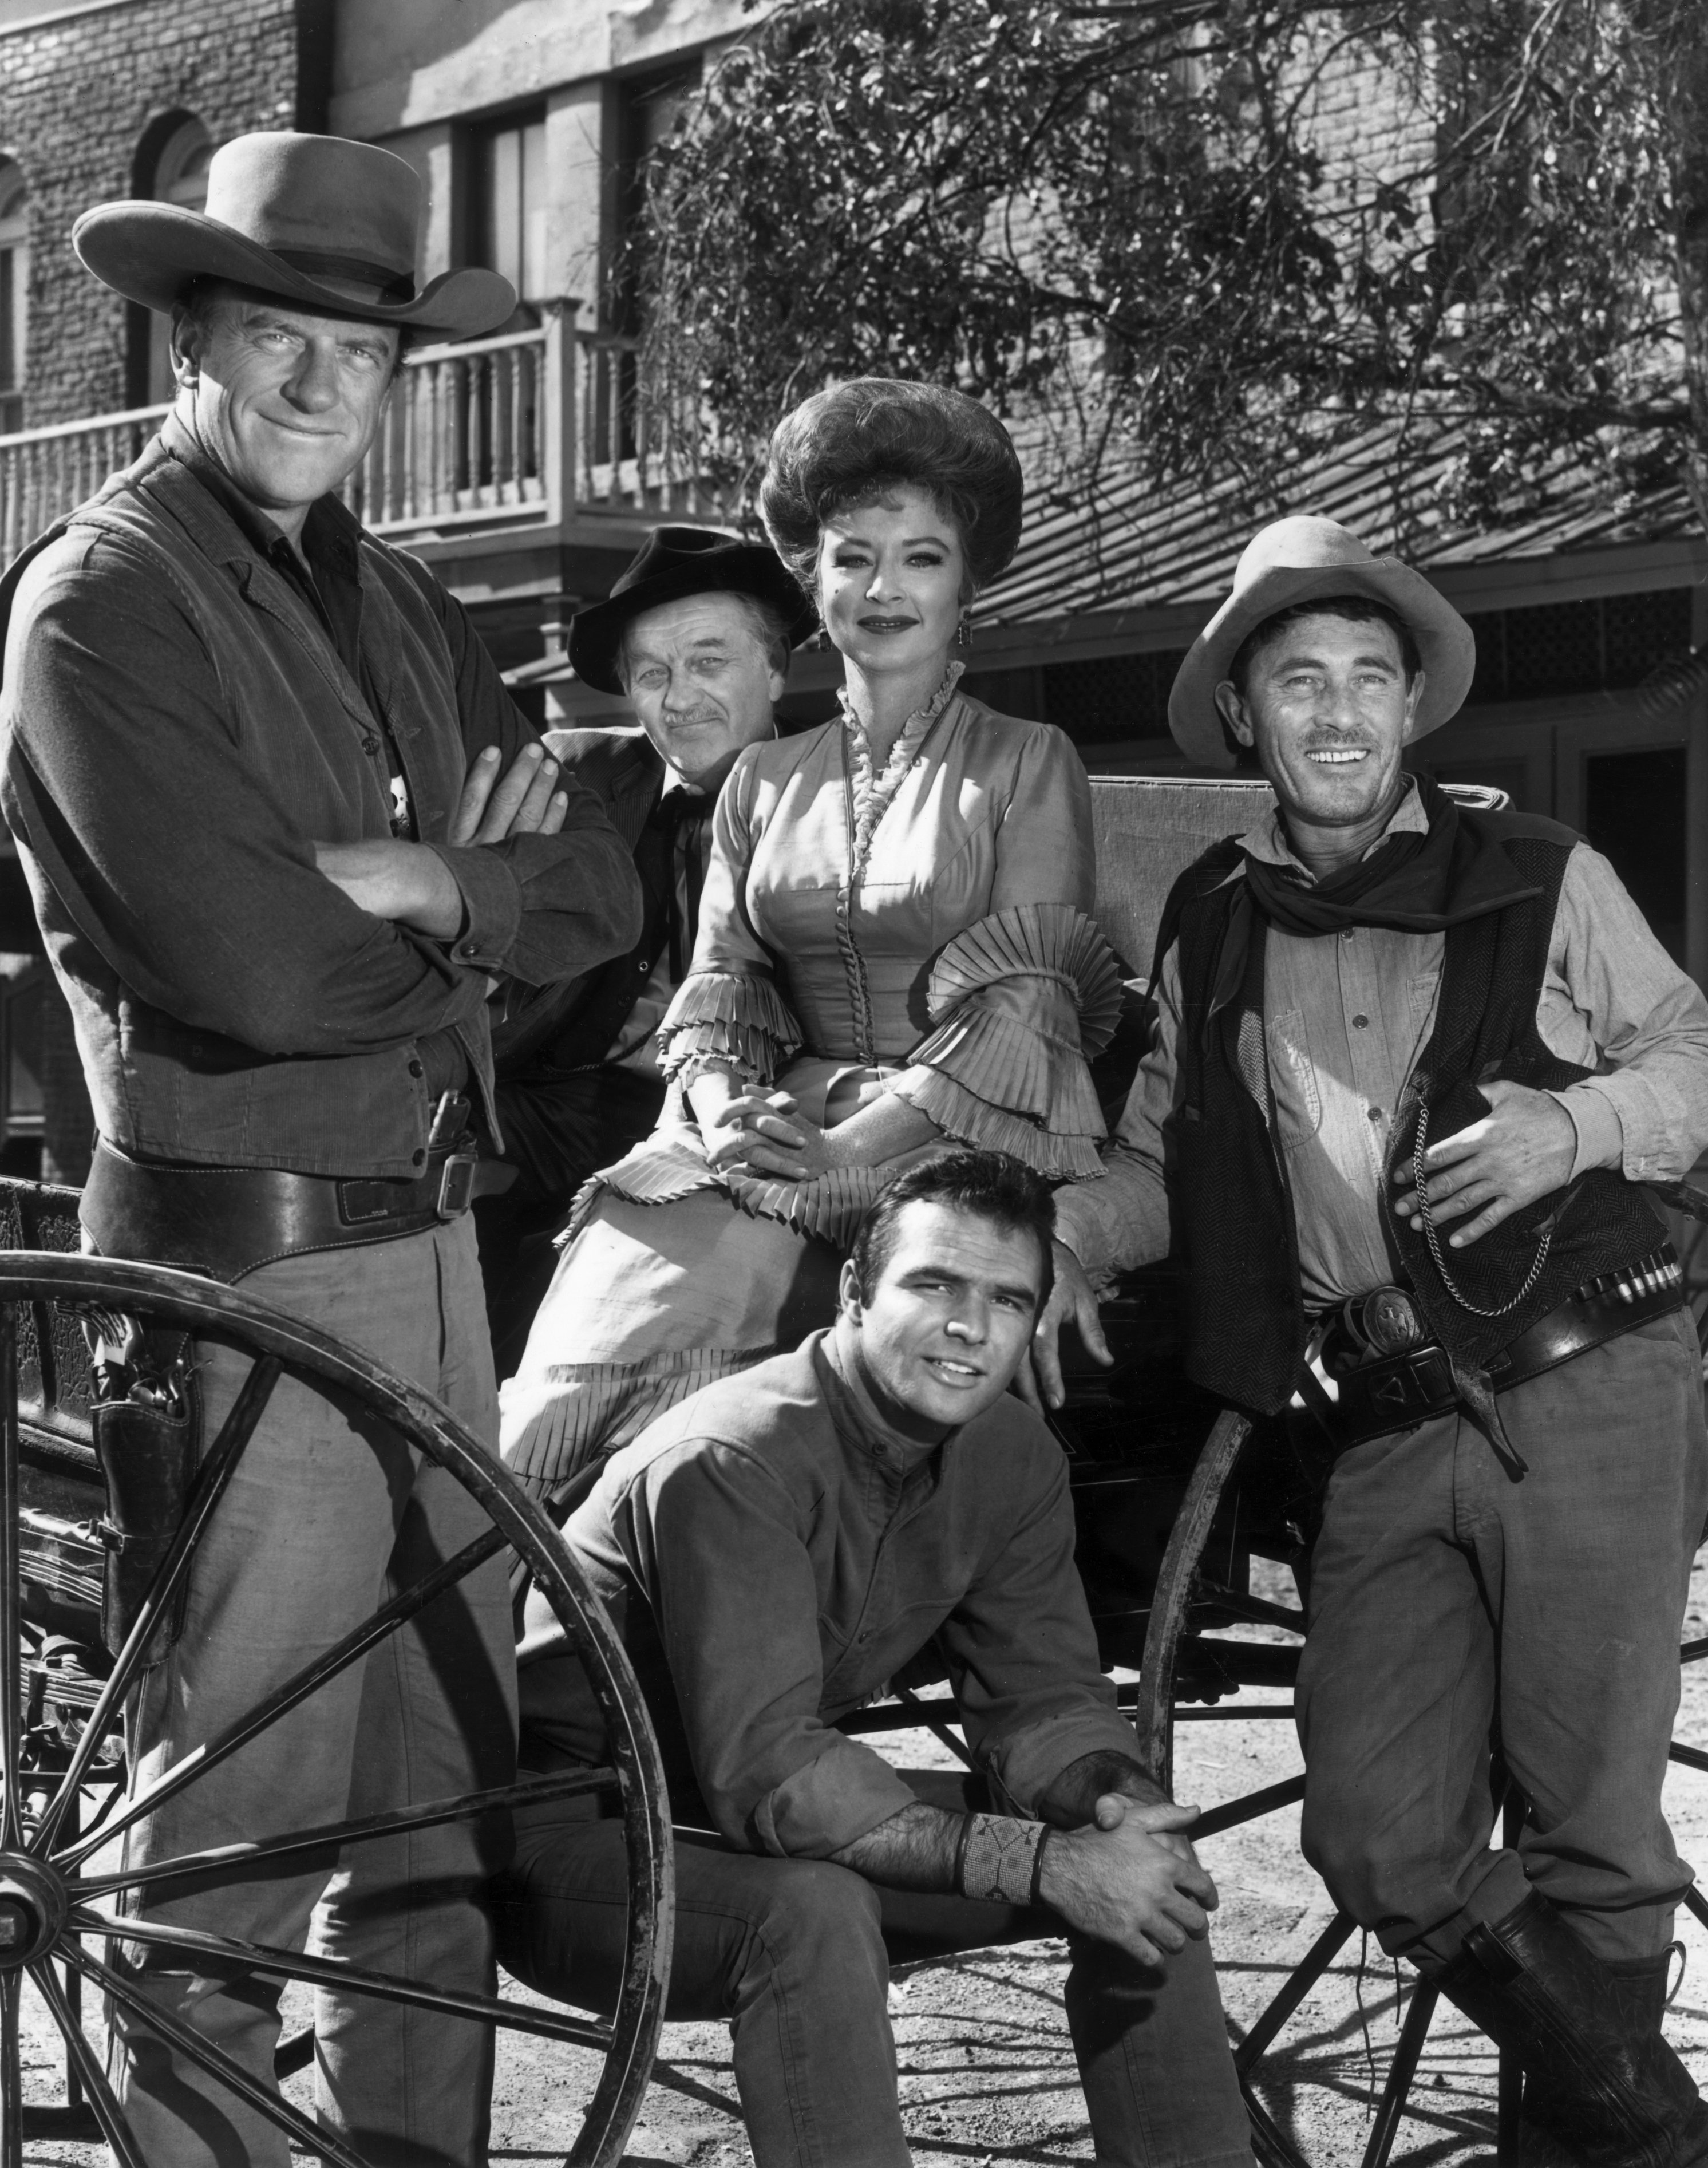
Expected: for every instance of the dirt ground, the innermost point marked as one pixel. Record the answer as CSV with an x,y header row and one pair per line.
x,y
987,2077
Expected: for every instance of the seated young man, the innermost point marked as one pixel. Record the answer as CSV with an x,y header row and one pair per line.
x,y
772,1552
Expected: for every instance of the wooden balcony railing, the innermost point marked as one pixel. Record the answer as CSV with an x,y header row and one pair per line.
x,y
528,429
44,473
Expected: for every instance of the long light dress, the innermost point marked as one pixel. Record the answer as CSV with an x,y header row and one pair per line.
x,y
924,932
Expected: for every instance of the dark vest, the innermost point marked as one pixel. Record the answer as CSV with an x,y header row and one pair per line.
x,y
1233,1215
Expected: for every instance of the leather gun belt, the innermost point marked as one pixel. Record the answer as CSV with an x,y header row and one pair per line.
x,y
225,1221
1389,1392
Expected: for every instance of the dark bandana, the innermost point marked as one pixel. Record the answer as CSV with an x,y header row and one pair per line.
x,y
1412,883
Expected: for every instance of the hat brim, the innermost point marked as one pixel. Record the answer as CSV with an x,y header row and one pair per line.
x,y
745,568
1445,643
150,252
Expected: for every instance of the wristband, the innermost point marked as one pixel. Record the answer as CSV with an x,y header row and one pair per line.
x,y
1037,1863
996,1861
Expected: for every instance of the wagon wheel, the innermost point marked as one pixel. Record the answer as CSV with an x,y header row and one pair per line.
x,y
49,1898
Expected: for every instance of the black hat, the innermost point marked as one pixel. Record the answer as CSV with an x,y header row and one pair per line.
x,y
674,562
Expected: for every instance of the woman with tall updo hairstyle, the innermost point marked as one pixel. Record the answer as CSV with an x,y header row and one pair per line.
x,y
894,953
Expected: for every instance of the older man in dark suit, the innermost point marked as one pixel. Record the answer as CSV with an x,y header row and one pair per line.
x,y
696,634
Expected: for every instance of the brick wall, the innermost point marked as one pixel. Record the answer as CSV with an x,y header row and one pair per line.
x,y
1371,116
77,97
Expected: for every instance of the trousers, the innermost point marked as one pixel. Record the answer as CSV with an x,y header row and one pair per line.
x,y
328,1513
791,1953
1450,1608
557,1130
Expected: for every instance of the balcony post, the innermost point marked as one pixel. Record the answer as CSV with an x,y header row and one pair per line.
x,y
558,450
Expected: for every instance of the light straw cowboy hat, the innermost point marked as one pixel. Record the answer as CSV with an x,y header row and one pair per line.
x,y
317,220
1294,560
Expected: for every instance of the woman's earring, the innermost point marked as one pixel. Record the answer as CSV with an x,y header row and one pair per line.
x,y
963,632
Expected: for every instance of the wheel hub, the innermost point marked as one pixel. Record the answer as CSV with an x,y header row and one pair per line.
x,y
33,1909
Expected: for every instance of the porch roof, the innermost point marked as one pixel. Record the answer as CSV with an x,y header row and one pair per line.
x,y
1143,551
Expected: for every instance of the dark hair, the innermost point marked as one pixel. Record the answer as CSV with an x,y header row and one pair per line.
x,y
988,1184
851,445
1354,609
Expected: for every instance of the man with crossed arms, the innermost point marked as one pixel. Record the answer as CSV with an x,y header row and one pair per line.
x,y
286,835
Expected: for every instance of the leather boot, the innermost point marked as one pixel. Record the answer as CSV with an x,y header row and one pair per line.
x,y
1639,1990
1641,1985
1601,2085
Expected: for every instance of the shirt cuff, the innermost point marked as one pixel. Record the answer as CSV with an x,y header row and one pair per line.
x,y
1600,1132
491,905
1079,1227
1026,1763
847,1791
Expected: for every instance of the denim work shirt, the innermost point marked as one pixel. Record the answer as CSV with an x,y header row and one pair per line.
x,y
771,1553
1347,1016
178,728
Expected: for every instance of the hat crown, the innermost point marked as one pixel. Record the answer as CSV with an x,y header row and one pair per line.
x,y
668,545
319,197
1305,543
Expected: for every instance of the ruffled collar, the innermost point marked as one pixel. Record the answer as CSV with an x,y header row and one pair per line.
x,y
873,792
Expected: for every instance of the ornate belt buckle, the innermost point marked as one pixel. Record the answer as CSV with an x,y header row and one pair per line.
x,y
1385,1321
457,1185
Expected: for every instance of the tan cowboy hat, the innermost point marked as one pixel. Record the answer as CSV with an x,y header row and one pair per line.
x,y
1292,561
315,220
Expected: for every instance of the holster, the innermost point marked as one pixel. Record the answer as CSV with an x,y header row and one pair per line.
x,y
147,1427
1380,1392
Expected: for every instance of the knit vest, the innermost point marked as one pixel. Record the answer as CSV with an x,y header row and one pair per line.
x,y
1232,1210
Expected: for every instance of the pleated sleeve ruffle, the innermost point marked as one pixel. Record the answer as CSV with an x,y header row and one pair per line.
x,y
727,1020
1020,1001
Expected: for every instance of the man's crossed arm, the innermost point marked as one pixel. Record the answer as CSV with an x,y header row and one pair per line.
x,y
409,883
1116,1865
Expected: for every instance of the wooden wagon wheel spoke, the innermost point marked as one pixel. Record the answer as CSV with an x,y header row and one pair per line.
x,y
86,2064
217,2063
11,2077
111,1820
235,1862
1400,2072
387,1987
11,1591
1168,1610
1303,1978
215,1472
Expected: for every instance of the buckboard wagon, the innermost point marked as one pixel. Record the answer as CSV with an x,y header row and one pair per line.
x,y
1175,1498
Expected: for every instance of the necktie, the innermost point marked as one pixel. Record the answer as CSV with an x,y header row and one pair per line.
x,y
678,816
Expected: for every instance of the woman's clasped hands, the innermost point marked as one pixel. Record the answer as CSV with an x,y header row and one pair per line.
x,y
768,1134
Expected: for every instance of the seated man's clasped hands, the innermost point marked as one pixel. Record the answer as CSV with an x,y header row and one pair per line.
x,y
773,1551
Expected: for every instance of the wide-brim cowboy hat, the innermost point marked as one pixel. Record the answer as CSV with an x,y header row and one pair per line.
x,y
317,220
672,564
1297,560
